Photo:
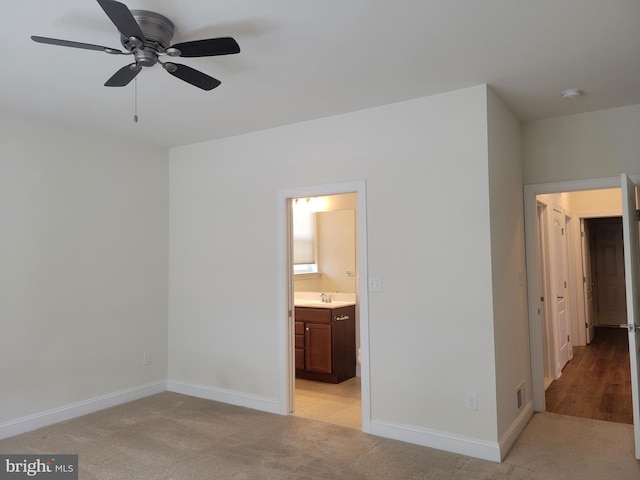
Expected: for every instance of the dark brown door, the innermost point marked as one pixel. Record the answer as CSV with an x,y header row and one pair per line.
x,y
318,347
608,248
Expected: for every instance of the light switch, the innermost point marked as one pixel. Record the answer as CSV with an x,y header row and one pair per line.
x,y
375,284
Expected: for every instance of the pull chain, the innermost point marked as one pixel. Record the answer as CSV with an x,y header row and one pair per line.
x,y
135,102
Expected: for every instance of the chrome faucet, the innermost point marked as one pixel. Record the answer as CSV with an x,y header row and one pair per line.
x,y
324,298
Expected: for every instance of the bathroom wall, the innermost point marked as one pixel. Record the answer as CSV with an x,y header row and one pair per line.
x,y
336,247
337,250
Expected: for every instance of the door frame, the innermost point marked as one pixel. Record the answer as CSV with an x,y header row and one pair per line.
x,y
587,334
533,269
286,361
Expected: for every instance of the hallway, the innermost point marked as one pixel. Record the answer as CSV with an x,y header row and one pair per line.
x,y
596,383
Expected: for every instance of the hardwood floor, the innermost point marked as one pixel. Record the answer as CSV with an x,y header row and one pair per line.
x,y
596,383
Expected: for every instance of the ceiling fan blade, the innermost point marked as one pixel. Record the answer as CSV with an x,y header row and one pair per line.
x,y
206,48
192,76
69,43
123,76
122,18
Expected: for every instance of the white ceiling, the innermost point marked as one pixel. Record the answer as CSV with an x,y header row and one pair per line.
x,y
302,60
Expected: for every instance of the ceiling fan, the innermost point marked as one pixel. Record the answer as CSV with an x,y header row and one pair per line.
x,y
147,35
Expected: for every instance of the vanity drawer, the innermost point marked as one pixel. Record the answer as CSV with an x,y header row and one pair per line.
x,y
318,315
299,328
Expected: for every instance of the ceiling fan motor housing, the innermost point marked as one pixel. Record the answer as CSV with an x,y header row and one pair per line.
x,y
158,32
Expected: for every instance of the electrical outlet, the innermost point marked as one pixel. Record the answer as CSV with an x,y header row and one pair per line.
x,y
146,359
472,401
375,284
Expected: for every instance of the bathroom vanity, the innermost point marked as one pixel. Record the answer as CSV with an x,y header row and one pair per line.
x,y
325,342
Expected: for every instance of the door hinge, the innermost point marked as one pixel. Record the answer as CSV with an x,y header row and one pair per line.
x,y
637,215
568,338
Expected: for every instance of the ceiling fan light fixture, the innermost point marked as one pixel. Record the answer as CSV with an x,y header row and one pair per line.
x,y
173,52
170,67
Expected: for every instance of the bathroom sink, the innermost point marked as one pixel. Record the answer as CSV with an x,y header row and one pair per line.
x,y
318,304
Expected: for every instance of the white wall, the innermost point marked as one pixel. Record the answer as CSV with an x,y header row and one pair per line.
x,y
83,276
431,329
595,203
589,145
508,263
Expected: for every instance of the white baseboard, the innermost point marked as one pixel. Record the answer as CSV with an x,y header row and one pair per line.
x,y
509,438
471,447
56,415
265,404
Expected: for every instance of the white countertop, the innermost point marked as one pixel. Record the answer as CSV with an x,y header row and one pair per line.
x,y
313,299
319,304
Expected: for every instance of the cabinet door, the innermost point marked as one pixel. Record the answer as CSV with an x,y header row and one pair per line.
x,y
318,347
299,350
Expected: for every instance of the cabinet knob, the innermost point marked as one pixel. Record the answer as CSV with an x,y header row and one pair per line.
x,y
307,329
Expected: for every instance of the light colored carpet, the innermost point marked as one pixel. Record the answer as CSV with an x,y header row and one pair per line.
x,y
171,436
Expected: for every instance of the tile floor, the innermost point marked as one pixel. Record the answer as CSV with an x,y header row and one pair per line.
x,y
332,403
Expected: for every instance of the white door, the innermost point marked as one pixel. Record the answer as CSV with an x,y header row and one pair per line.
x,y
548,335
632,268
559,285
587,282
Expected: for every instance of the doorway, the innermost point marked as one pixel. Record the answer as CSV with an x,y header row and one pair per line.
x,y
607,267
324,278
586,373
287,334
576,296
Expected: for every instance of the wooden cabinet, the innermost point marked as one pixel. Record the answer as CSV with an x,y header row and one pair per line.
x,y
325,343
317,347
